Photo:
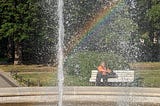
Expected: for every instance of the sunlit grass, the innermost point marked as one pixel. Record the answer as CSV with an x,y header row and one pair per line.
x,y
44,79
50,79
151,78
27,68
145,65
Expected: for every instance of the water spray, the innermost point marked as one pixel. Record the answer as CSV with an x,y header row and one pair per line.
x,y
60,52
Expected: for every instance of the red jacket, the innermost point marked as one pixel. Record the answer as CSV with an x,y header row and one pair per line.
x,y
103,70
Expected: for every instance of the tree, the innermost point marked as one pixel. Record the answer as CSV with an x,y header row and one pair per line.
x,y
19,20
146,13
153,16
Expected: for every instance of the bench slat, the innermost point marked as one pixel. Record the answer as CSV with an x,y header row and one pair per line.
x,y
110,79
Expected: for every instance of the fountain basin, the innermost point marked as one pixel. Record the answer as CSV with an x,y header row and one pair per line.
x,y
80,96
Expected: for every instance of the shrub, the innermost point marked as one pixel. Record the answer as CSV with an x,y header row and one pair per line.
x,y
82,63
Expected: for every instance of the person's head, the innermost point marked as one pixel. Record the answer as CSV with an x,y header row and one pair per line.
x,y
103,63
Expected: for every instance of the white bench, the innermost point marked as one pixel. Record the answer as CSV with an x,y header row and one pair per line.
x,y
124,76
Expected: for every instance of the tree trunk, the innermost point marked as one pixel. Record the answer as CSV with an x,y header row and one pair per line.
x,y
10,50
18,54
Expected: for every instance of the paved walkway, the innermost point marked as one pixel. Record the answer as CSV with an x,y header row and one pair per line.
x,y
3,82
6,80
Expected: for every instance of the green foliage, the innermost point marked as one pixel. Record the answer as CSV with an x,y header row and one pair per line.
x,y
146,38
154,16
71,80
19,19
3,59
77,13
146,13
81,64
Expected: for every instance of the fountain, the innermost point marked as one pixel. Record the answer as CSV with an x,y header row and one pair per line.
x,y
103,34
113,21
60,52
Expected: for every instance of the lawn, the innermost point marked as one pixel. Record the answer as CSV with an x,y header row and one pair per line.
x,y
48,79
45,75
149,71
151,77
37,79
145,66
27,68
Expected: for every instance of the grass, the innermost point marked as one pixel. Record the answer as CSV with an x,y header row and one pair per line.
x,y
50,79
45,79
45,74
151,77
149,71
145,65
27,68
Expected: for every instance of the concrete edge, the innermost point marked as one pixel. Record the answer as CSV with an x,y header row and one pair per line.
x,y
79,94
117,91
80,98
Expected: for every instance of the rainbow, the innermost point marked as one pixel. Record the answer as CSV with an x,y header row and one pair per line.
x,y
100,18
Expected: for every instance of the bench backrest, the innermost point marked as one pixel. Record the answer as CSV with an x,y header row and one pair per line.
x,y
123,76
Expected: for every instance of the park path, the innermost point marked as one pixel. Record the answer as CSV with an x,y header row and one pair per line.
x,y
3,82
6,80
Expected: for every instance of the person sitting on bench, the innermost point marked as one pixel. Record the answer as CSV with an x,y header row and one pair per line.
x,y
102,73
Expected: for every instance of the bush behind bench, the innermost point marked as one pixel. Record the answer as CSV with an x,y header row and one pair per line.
x,y
82,63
